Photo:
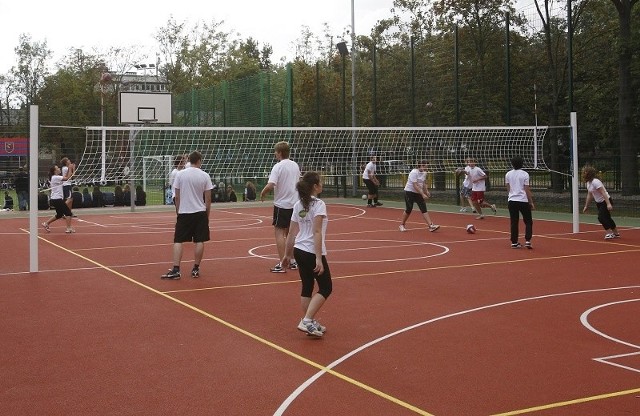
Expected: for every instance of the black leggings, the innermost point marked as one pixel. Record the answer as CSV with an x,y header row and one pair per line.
x,y
604,215
306,263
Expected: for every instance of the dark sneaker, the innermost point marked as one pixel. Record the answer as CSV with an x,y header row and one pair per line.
x,y
278,269
195,273
171,275
516,245
293,265
370,206
378,204
527,244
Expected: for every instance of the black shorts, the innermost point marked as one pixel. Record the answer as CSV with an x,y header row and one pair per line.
x,y
371,187
412,197
62,209
282,217
192,227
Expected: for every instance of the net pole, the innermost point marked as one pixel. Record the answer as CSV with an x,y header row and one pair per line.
x,y
103,174
33,188
575,177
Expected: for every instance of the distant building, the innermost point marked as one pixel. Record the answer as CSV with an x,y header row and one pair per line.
x,y
148,81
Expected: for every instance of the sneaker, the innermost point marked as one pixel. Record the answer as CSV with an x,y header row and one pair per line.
x,y
46,227
302,327
480,217
494,209
293,265
278,269
171,274
311,328
463,209
378,204
402,228
370,206
69,230
195,273
527,244
474,211
609,236
433,227
516,245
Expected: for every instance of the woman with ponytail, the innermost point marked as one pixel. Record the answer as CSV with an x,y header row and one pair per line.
x,y
306,244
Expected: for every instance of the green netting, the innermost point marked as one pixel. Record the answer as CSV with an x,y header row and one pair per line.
x,y
261,100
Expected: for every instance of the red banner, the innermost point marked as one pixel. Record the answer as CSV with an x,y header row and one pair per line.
x,y
14,146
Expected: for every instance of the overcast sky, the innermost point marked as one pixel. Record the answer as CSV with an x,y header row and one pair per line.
x,y
83,24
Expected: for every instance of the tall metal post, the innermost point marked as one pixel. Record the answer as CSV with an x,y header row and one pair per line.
x,y
354,53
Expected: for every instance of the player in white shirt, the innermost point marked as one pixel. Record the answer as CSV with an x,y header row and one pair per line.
x,y
598,193
178,165
465,191
283,179
193,205
56,181
371,182
415,191
520,201
67,170
478,179
306,243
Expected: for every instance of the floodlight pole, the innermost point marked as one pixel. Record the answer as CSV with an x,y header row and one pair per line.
x,y
354,160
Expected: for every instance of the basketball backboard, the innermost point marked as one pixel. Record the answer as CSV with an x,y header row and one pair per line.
x,y
145,107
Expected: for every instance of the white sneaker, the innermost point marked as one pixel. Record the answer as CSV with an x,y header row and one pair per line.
x,y
402,228
609,236
433,227
463,209
302,327
310,328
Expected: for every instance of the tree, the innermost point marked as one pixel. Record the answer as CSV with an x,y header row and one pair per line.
x,y
31,70
627,92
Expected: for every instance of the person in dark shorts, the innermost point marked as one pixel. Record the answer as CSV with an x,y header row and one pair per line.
x,y
416,192
282,180
371,182
193,204
57,200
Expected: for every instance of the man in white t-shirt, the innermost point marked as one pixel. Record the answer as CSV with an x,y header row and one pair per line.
x,y
520,201
465,191
193,204
283,179
478,178
416,192
371,182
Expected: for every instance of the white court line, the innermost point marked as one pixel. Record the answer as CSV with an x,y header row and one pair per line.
x,y
285,404
584,319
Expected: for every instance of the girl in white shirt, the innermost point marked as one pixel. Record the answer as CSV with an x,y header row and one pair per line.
x,y
598,192
56,180
306,243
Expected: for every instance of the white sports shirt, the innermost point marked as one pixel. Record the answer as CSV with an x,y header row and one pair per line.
x,y
371,167
285,175
304,239
517,180
475,173
415,176
593,186
193,183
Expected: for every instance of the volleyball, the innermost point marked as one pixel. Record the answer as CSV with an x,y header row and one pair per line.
x,y
471,229
364,196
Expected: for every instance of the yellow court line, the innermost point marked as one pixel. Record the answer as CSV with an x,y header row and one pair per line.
x,y
569,402
251,335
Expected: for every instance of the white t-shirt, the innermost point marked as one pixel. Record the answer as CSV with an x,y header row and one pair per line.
x,y
192,183
466,183
415,176
597,189
172,180
304,239
475,173
65,171
285,176
371,167
517,180
56,187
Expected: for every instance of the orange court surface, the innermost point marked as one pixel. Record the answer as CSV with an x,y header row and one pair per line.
x,y
428,323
